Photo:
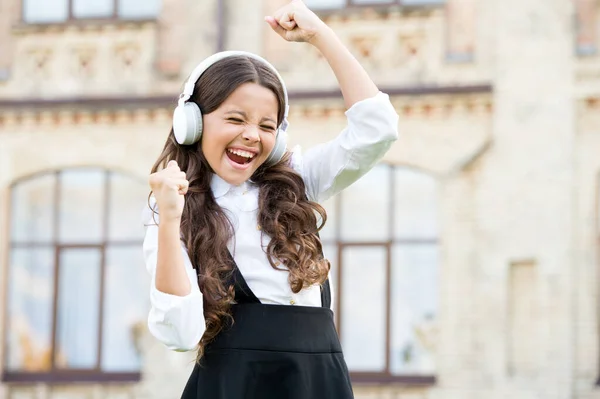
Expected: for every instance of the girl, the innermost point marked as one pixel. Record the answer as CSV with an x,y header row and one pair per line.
x,y
232,238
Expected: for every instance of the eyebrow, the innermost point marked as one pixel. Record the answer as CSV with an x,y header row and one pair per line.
x,y
243,114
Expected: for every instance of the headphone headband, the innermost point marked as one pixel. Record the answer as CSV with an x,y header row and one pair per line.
x,y
188,89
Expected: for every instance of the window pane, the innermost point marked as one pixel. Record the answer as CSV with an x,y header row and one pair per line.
x,y
41,11
132,9
31,277
32,207
78,308
363,307
81,205
415,284
127,199
125,308
415,205
324,4
365,207
93,8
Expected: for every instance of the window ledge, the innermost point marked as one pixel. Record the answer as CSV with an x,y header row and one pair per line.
x,y
69,376
381,10
83,24
365,379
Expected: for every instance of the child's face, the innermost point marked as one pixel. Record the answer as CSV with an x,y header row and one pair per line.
x,y
239,135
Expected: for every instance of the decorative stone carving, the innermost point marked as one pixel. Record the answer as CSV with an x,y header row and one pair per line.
x,y
83,62
397,46
96,60
127,58
39,63
365,49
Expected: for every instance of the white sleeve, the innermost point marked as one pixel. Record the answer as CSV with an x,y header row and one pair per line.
x,y
330,167
176,321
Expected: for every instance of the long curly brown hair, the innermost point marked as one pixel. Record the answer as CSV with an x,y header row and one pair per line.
x,y
285,214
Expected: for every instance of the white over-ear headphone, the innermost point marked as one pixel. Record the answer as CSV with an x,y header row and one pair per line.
x,y
187,118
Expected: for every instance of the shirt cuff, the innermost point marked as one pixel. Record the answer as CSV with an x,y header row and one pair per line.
x,y
371,121
176,321
165,302
378,100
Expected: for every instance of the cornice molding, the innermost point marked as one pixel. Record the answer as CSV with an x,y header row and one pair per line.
x,y
421,102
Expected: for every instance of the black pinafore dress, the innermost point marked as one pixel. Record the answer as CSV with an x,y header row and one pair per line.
x,y
273,352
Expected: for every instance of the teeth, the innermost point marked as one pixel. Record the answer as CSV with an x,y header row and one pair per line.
x,y
241,153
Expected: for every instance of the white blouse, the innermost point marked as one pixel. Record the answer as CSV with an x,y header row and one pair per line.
x,y
327,169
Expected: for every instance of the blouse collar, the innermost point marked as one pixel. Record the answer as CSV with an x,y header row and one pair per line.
x,y
220,187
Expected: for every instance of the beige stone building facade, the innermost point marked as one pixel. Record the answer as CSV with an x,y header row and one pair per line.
x,y
466,264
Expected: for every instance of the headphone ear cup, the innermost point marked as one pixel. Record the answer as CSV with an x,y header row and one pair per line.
x,y
278,149
187,123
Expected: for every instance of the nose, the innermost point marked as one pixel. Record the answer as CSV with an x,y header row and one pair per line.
x,y
251,134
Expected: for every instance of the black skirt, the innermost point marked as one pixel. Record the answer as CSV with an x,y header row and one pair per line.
x,y
273,352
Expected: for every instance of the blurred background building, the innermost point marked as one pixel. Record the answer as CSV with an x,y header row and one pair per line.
x,y
466,264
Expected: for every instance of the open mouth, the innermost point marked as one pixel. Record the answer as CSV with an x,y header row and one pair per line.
x,y
240,157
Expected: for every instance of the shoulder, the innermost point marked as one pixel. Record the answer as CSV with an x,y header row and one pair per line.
x,y
298,164
296,159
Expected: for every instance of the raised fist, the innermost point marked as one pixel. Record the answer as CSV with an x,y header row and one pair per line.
x,y
169,187
296,23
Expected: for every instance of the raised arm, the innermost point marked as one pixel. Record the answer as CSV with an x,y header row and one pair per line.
x,y
176,315
295,22
372,120
355,83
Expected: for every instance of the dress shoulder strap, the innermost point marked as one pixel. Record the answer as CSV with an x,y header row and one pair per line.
x,y
326,294
243,293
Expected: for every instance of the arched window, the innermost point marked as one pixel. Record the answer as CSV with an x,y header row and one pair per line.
x,y
77,285
382,240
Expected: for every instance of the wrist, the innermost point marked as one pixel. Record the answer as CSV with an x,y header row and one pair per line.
x,y
169,221
322,37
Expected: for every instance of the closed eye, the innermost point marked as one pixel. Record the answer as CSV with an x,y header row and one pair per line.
x,y
235,120
269,128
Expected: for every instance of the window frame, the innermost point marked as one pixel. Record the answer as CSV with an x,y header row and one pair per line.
x,y
339,245
57,375
353,4
72,19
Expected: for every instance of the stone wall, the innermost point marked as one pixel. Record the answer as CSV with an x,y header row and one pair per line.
x,y
494,101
